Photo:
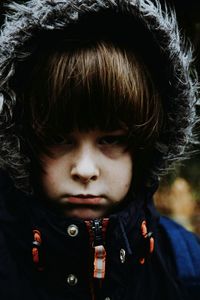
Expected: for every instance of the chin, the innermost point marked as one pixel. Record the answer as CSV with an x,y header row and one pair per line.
x,y
85,214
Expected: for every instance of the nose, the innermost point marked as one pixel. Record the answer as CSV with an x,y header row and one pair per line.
x,y
85,168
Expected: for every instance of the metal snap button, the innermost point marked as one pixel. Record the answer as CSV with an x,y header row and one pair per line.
x,y
107,298
72,279
122,255
72,230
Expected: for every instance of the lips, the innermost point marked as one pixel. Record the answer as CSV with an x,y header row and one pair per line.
x,y
85,199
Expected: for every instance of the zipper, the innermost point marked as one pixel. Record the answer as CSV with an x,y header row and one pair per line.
x,y
99,250
96,226
97,233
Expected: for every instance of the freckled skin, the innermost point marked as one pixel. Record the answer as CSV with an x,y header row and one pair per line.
x,y
89,163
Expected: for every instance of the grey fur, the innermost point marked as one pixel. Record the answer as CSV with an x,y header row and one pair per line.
x,y
51,14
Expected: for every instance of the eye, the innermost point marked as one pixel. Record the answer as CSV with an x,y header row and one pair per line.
x,y
62,140
113,140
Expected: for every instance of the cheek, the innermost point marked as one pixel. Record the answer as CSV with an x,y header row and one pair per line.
x,y
126,177
128,168
51,167
50,175
122,174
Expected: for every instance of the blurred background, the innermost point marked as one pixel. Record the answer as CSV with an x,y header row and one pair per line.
x,y
179,194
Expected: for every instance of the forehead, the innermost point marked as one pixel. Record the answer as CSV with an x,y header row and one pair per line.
x,y
92,133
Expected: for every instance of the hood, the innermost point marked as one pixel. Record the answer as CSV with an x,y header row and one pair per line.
x,y
169,54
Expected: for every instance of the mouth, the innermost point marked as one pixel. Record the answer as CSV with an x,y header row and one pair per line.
x,y
85,199
84,206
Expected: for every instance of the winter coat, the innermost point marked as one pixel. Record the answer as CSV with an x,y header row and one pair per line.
x,y
45,256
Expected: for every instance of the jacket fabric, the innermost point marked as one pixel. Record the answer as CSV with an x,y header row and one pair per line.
x,y
49,257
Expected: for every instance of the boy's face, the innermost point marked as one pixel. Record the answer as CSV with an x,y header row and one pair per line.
x,y
88,173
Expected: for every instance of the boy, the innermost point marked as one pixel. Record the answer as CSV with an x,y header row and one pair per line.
x,y
98,101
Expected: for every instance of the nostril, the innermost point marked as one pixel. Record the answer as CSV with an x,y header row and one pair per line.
x,y
93,178
84,179
75,177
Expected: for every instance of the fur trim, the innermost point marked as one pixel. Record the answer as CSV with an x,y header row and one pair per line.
x,y
38,15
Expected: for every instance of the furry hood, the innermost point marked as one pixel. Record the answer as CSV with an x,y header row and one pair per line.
x,y
25,22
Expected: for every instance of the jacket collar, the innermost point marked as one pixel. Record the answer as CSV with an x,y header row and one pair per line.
x,y
122,228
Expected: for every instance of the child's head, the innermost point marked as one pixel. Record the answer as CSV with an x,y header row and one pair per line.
x,y
86,85
99,89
